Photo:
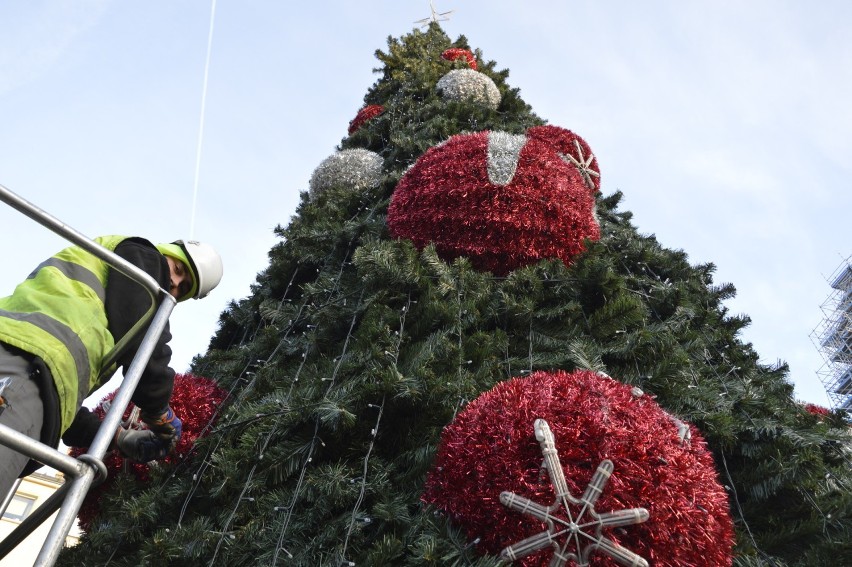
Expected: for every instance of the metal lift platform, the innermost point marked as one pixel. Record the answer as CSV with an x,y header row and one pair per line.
x,y
87,470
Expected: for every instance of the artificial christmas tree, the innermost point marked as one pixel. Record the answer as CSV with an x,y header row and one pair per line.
x,y
371,330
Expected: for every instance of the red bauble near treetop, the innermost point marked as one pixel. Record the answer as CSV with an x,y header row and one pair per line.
x,y
365,114
454,53
660,502
504,201
195,400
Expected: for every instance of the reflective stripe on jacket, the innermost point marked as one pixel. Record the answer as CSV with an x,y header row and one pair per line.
x,y
58,314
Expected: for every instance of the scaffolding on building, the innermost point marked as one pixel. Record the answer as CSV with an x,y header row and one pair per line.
x,y
833,337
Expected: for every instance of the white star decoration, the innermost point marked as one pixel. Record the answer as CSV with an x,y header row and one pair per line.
x,y
436,16
584,164
581,530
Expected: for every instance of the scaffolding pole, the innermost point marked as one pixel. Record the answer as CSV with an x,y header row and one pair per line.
x,y
833,338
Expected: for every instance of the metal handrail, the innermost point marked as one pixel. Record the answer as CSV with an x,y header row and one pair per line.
x,y
134,272
84,472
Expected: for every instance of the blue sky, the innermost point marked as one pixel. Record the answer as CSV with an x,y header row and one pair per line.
x,y
725,124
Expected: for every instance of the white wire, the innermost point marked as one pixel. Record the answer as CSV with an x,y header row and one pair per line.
x,y
201,121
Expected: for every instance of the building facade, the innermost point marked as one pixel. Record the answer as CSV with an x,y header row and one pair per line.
x,y
33,491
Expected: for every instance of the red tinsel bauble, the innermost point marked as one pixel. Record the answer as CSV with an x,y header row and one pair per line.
x,y
821,413
490,447
454,53
504,201
366,113
818,410
195,400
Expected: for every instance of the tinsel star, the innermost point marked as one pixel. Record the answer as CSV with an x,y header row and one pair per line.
x,y
582,528
584,164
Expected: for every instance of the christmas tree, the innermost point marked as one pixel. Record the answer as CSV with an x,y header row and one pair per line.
x,y
456,265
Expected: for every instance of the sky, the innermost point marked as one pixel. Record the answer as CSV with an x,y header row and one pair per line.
x,y
725,124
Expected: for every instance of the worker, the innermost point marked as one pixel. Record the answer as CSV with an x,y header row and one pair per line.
x,y
57,329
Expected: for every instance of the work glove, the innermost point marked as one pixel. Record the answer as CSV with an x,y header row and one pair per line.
x,y
167,427
140,445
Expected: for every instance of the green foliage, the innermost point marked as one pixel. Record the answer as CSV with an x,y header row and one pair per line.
x,y
355,350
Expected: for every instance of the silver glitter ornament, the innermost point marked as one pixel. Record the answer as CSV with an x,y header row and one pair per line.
x,y
356,169
467,85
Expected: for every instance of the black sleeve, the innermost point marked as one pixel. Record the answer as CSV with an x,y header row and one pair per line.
x,y
126,303
83,429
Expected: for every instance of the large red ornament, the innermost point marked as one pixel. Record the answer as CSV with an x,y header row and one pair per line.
x,y
660,464
195,400
504,201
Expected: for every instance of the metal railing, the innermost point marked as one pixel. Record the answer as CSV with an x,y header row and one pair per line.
x,y
88,469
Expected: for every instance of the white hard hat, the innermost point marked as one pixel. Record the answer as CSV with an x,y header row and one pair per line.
x,y
205,264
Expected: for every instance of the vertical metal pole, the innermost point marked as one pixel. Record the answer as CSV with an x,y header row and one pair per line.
x,y
9,497
33,521
80,486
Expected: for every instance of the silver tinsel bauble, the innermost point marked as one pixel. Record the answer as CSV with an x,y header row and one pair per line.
x,y
355,169
467,85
